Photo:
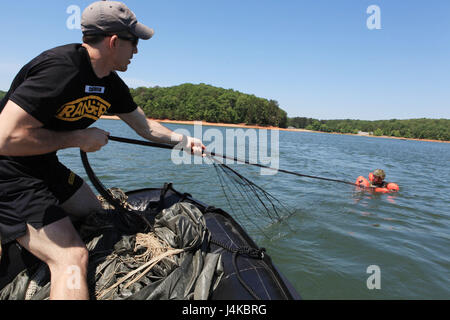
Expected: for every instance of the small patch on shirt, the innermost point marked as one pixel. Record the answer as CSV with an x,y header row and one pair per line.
x,y
94,89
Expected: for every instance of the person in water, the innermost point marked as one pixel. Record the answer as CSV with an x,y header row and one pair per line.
x,y
377,179
376,182
51,104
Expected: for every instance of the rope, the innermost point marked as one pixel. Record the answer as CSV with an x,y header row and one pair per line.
x,y
108,197
213,154
248,251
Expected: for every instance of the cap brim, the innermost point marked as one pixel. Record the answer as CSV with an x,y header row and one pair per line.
x,y
142,31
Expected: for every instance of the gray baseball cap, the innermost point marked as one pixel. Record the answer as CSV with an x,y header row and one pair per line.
x,y
106,17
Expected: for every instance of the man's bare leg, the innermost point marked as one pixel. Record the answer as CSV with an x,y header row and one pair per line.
x,y
82,203
60,247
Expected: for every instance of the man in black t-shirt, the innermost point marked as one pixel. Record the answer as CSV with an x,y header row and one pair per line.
x,y
50,105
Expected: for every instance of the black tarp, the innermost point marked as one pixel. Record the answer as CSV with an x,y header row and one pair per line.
x,y
111,239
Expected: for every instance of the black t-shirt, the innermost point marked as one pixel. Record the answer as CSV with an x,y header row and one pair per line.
x,y
61,90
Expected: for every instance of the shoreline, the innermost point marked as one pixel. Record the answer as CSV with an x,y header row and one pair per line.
x,y
242,125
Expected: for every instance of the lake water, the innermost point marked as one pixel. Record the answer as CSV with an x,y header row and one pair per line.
x,y
336,232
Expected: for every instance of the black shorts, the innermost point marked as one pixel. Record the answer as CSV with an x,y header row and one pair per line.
x,y
31,192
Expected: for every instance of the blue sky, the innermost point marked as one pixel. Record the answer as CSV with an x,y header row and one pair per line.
x,y
317,58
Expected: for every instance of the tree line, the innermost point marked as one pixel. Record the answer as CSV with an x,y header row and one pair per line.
x,y
208,103
436,129
213,104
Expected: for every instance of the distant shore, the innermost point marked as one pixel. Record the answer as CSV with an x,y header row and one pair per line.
x,y
243,125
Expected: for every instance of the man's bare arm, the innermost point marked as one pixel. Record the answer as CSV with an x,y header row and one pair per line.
x,y
154,131
23,135
150,129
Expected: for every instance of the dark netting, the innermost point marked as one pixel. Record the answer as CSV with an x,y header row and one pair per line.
x,y
251,204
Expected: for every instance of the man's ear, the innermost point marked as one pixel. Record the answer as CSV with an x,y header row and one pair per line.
x,y
113,42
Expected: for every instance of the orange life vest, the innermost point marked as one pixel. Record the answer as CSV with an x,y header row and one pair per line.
x,y
387,186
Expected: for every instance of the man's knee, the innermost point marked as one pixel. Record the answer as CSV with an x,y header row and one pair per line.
x,y
56,244
69,258
72,252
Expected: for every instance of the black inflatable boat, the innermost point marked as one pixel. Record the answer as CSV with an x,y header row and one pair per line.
x,y
246,271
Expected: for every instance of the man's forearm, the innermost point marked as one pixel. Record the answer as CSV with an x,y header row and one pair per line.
x,y
37,141
154,131
160,133
150,129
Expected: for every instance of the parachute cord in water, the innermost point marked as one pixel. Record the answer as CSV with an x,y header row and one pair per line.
x,y
254,189
218,155
259,203
228,193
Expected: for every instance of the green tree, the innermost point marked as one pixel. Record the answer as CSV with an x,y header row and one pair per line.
x,y
378,132
205,102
